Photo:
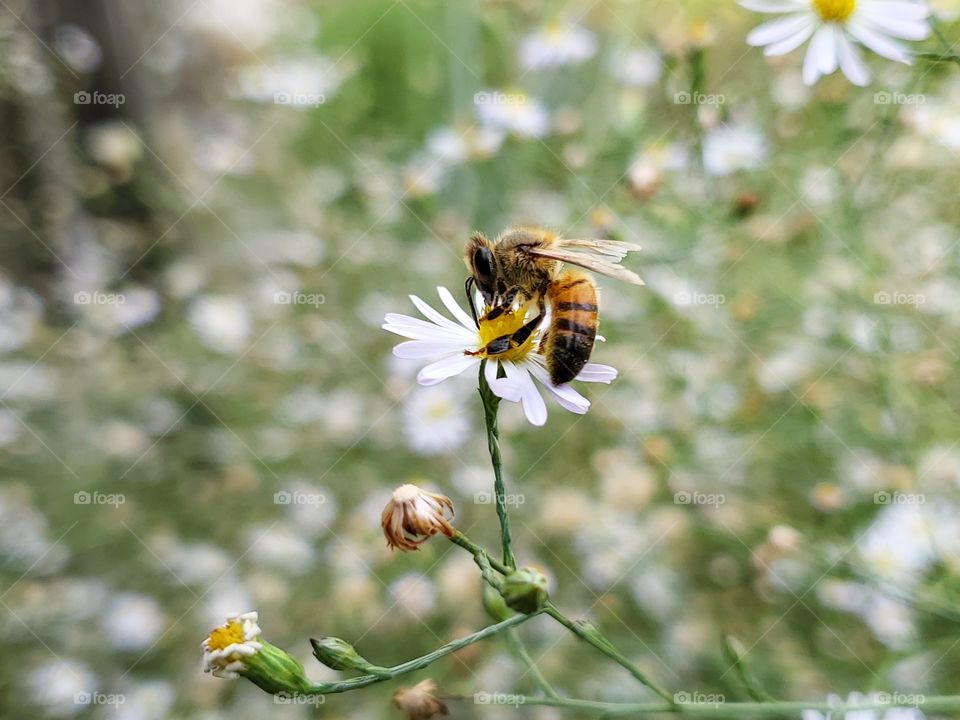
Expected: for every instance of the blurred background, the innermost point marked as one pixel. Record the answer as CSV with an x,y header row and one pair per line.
x,y
208,206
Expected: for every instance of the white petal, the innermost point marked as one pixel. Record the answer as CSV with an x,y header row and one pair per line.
x,y
851,64
906,29
566,396
433,315
503,388
417,329
821,54
446,297
880,44
894,9
777,30
792,42
534,407
419,349
446,368
771,6
595,372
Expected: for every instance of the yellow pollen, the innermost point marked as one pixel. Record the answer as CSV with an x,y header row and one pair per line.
x,y
226,635
834,10
506,324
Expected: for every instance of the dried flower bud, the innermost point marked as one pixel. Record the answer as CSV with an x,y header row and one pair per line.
x,y
420,702
414,515
525,590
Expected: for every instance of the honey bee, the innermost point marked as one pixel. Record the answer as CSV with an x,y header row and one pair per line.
x,y
525,264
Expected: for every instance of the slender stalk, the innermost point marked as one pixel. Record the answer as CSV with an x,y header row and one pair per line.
x,y
516,646
594,637
417,663
491,404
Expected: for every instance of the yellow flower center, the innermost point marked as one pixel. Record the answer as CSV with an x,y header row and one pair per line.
x,y
506,324
834,10
226,635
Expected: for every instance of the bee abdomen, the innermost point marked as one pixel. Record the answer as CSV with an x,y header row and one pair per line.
x,y
573,329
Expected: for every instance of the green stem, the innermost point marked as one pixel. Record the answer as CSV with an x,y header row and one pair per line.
x,y
417,663
491,404
593,636
516,646
481,557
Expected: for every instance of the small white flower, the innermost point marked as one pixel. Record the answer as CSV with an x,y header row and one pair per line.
x,y
228,645
638,68
435,421
729,148
455,347
836,27
513,112
221,322
556,45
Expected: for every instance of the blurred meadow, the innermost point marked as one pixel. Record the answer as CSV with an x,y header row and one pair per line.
x,y
207,207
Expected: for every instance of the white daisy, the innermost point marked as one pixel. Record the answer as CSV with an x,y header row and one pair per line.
x,y
836,26
556,45
512,112
228,645
455,347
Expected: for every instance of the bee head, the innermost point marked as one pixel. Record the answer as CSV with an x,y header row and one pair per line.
x,y
483,266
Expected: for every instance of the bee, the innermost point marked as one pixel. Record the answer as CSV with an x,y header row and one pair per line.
x,y
526,264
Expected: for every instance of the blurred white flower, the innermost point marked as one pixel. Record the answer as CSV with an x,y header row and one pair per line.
x,y
57,685
298,82
415,593
890,620
639,68
24,538
149,700
455,347
555,45
898,545
729,148
20,311
78,48
435,420
649,166
836,26
858,698
133,622
454,145
221,322
279,546
512,112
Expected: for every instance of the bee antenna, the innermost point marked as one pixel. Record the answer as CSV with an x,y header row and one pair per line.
x,y
468,288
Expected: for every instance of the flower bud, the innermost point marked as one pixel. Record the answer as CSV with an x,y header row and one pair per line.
x,y
525,590
414,515
494,605
338,654
419,702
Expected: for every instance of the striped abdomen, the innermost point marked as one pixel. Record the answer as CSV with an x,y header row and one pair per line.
x,y
573,327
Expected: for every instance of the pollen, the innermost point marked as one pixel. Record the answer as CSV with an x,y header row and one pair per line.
x,y
226,635
834,10
506,324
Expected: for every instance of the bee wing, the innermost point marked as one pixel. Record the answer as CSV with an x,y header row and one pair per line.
x,y
592,263
610,248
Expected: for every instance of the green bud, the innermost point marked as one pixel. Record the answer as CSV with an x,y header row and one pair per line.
x,y
525,590
338,654
275,671
494,605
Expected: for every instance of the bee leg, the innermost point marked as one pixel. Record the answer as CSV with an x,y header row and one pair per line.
x,y
502,344
468,287
503,304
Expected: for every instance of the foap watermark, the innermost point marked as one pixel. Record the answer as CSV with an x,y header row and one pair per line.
x,y
286,497
898,298
299,99
699,298
498,698
509,499
299,298
289,698
696,697
898,98
488,97
84,497
900,699
695,497
697,98
95,97
85,297
884,497
99,698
